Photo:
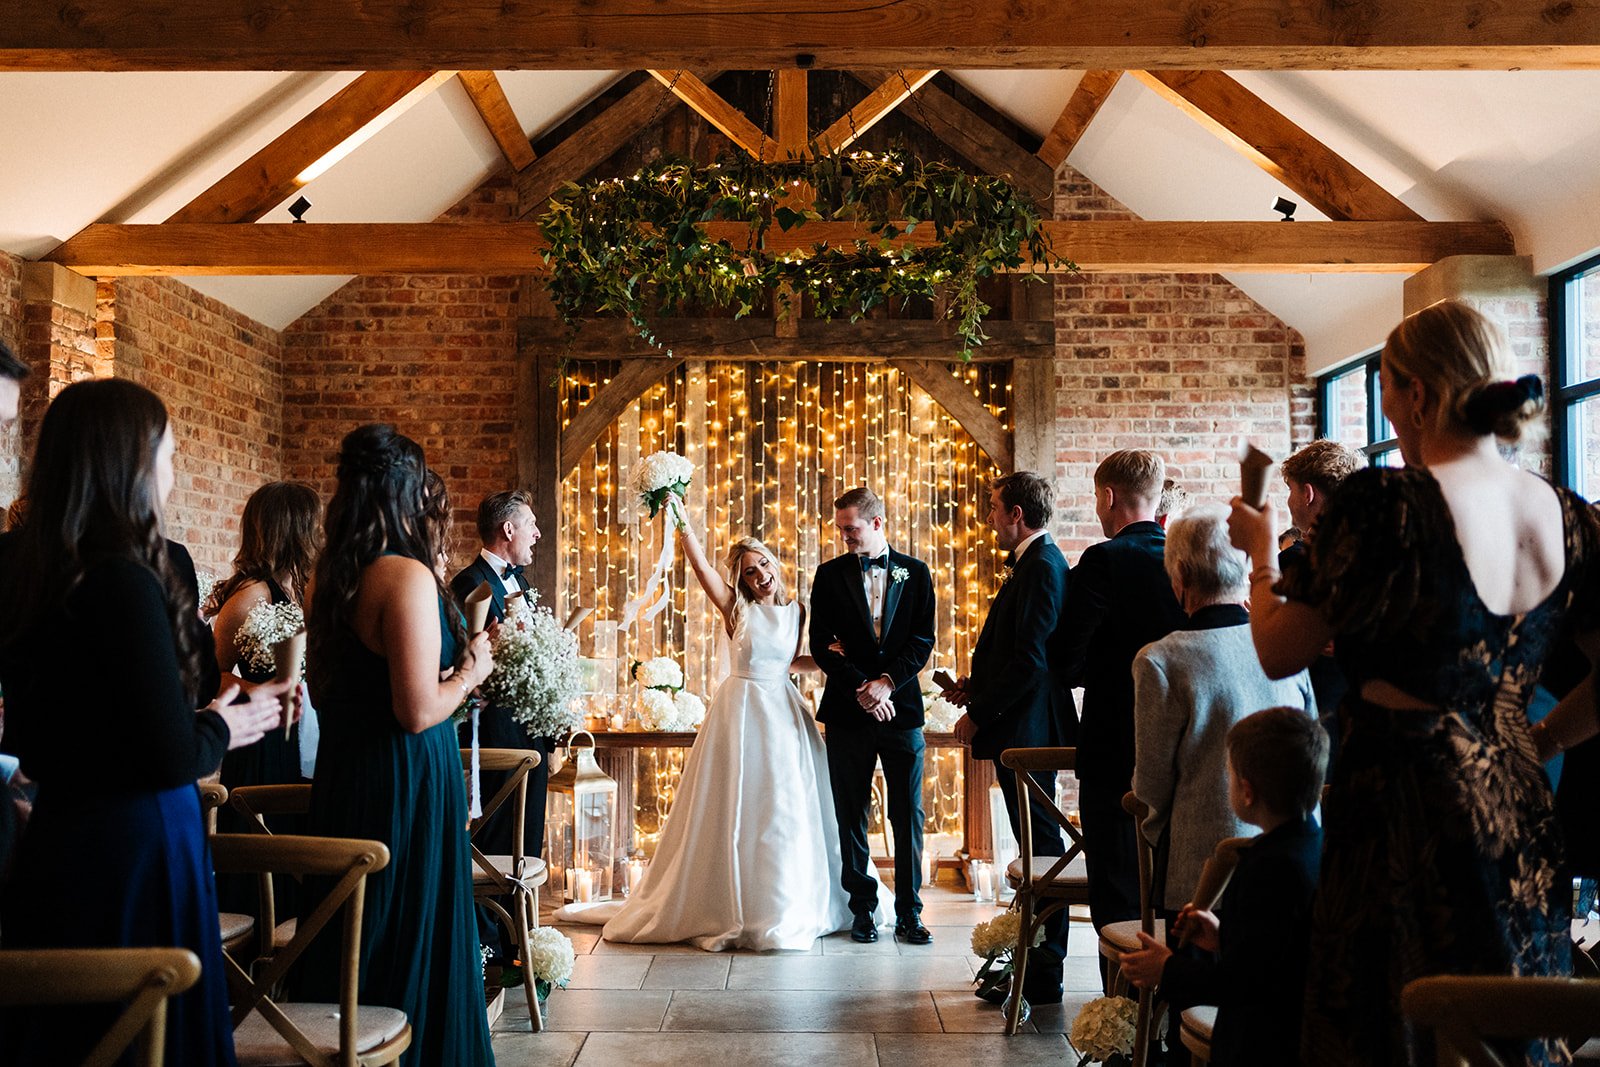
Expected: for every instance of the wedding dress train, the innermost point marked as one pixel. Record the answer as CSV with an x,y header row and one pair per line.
x,y
749,857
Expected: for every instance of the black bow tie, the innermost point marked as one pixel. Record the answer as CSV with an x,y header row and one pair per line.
x,y
511,570
868,562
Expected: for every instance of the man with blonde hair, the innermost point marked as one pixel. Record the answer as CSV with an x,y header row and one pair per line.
x,y
1119,599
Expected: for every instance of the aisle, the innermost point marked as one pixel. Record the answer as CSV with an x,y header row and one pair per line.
x,y
839,1003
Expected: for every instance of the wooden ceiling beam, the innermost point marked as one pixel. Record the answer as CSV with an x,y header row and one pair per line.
x,y
1262,134
965,132
792,111
755,338
516,248
271,175
591,144
714,109
890,94
1085,104
829,34
489,97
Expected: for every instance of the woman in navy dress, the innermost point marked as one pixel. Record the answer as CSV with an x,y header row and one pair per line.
x,y
389,663
115,853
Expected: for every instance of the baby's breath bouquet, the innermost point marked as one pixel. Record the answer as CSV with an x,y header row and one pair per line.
x,y
1103,1032
536,673
996,942
550,959
265,626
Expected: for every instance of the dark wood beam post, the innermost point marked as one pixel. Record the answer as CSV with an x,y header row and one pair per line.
x,y
538,436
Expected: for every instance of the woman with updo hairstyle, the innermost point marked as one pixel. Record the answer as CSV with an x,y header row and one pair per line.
x,y
102,673
1444,587
389,661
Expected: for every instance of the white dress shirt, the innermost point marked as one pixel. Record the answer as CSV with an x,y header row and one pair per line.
x,y
499,566
1016,553
875,583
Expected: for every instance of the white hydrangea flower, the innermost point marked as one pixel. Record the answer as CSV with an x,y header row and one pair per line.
x,y
265,626
691,710
939,715
536,674
662,672
658,476
657,710
550,955
1105,1028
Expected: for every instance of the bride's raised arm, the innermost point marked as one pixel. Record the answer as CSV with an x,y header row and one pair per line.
x,y
716,587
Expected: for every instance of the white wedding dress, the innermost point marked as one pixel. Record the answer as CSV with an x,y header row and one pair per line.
x,y
749,857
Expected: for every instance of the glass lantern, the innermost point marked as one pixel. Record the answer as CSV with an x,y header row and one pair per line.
x,y
580,826
1006,848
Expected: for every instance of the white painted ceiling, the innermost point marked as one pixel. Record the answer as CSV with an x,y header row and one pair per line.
x,y
1523,147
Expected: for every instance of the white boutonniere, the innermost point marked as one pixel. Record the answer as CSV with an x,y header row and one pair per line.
x,y
899,574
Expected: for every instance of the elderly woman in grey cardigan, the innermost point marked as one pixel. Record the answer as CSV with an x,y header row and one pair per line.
x,y
1190,687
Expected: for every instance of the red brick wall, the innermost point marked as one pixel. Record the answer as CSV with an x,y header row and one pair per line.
x,y
436,356
11,334
221,375
1182,365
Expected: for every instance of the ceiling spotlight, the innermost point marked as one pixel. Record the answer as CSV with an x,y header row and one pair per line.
x,y
1281,205
299,208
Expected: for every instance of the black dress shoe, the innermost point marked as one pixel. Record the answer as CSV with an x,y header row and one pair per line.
x,y
864,930
912,932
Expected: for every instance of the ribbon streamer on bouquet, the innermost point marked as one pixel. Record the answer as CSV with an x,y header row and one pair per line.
x,y
654,592
475,798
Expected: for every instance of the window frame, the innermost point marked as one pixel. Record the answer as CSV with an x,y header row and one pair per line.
x,y
1564,349
1376,444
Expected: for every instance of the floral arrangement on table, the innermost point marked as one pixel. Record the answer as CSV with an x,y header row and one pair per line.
x,y
646,245
938,714
266,625
664,705
550,959
536,672
661,481
996,941
1103,1031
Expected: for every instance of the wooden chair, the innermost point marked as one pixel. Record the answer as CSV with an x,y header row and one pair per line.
x,y
1194,1024
1044,884
1466,1011
1117,938
236,925
144,978
517,876
256,803
345,1034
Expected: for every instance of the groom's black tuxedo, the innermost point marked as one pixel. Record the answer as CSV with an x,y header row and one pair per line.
x,y
855,740
497,729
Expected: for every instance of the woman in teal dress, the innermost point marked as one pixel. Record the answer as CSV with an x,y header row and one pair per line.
x,y
389,664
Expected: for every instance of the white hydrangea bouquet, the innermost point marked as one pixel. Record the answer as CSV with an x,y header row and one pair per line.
x,y
536,672
661,481
1103,1032
996,942
265,626
938,714
665,705
550,959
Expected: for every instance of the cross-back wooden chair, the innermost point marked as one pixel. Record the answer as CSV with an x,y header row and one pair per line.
x,y
345,1034
1044,884
1119,937
257,803
1466,1012
141,978
1194,1024
517,876
236,926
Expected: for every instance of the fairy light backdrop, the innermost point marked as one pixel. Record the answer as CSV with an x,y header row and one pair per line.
x,y
774,445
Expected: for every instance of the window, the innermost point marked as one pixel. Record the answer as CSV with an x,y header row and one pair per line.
x,y
1575,337
1350,411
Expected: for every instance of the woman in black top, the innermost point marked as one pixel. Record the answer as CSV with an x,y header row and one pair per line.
x,y
115,853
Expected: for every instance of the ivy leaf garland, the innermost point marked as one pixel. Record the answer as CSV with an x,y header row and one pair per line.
x,y
637,246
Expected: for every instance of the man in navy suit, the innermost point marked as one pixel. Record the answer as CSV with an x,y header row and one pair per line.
x,y
1013,699
1120,599
877,605
508,529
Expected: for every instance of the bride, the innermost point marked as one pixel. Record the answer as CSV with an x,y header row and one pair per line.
x,y
749,857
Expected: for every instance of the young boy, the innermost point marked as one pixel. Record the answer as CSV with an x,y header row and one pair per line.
x,y
1276,762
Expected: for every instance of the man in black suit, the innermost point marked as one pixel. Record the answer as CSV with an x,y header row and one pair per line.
x,y
1120,600
1013,700
877,605
508,529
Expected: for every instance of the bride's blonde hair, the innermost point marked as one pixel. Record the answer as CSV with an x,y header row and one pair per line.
x,y
741,593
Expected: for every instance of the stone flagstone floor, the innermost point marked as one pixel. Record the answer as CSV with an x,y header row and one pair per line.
x,y
839,1003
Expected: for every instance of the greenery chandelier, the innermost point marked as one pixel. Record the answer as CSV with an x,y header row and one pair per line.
x,y
638,246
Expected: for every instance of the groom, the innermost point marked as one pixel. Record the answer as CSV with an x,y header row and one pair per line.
x,y
877,606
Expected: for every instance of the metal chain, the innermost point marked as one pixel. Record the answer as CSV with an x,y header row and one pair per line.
x,y
766,116
666,98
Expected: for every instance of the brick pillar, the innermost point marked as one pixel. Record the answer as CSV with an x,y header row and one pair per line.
x,y
1505,290
58,341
